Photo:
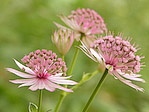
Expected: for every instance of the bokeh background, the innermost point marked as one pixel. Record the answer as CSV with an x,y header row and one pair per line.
x,y
27,25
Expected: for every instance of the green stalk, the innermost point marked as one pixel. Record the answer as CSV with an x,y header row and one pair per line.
x,y
40,100
73,61
75,57
63,58
96,90
63,94
60,99
59,103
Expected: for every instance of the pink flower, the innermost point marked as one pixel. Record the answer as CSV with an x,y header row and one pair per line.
x,y
84,22
44,71
63,39
118,56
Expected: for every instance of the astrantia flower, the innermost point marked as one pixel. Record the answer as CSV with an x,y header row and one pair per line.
x,y
84,22
63,39
118,56
44,71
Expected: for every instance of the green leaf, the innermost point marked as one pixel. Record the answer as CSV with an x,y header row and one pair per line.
x,y
88,76
32,107
85,77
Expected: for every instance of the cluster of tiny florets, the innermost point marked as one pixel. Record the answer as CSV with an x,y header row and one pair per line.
x,y
89,21
43,62
119,53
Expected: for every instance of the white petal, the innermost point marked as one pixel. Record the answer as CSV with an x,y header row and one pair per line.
x,y
58,74
135,75
69,23
21,74
41,84
48,86
28,70
120,72
59,78
88,54
86,51
35,86
19,81
59,87
60,26
131,76
128,82
98,56
33,81
66,82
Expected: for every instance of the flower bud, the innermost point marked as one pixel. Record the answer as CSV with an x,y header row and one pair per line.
x,y
63,39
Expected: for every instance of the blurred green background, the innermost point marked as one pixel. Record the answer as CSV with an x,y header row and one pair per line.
x,y
26,25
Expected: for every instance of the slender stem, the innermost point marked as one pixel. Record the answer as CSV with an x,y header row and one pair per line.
x,y
73,61
63,94
59,103
96,90
63,57
60,99
40,101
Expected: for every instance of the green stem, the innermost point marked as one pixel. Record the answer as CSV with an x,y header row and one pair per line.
x,y
73,61
63,94
59,102
63,58
60,99
96,90
40,101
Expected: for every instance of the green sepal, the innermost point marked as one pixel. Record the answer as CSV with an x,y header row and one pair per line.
x,y
32,107
85,77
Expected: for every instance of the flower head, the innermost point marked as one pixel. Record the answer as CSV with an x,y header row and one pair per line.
x,y
63,39
85,22
44,71
118,56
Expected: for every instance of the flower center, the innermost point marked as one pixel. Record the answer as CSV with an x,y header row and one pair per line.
x,y
109,67
44,63
42,76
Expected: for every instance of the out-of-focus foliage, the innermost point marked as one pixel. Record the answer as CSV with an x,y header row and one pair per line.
x,y
27,25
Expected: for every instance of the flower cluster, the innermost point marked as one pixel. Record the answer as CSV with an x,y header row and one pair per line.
x,y
118,56
85,23
43,70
